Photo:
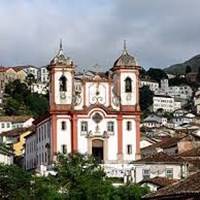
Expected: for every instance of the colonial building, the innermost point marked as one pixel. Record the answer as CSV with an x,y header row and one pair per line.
x,y
91,113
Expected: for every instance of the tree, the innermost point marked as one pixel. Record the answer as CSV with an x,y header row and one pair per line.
x,y
37,104
14,182
30,80
157,74
44,188
177,80
20,100
198,76
77,177
146,98
188,69
80,177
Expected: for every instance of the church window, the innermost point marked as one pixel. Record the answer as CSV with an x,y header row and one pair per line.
x,y
129,149
63,125
128,85
110,126
64,148
128,126
84,126
63,83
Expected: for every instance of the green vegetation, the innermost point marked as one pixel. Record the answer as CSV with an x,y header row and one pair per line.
x,y
20,101
194,63
146,98
156,74
78,177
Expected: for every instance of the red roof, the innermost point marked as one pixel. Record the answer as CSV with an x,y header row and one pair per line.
x,y
159,181
187,189
160,157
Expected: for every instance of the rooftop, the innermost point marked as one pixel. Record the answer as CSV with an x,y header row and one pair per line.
x,y
160,157
159,181
187,189
15,119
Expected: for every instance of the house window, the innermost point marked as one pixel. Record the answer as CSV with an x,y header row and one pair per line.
x,y
84,126
64,149
8,125
169,173
63,125
63,83
129,149
110,126
146,174
128,126
128,85
2,125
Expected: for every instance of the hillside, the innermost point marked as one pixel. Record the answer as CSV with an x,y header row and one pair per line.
x,y
194,62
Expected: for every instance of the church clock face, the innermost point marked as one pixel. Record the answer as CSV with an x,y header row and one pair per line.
x,y
62,95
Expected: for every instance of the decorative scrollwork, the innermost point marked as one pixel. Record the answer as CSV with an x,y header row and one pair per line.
x,y
97,118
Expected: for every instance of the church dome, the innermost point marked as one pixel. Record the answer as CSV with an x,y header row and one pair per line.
x,y
125,60
60,58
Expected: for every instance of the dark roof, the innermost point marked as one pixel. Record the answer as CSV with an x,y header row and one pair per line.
x,y
165,143
165,96
160,157
16,132
159,181
14,119
125,60
187,189
195,152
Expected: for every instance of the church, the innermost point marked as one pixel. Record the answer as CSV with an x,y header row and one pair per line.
x,y
92,112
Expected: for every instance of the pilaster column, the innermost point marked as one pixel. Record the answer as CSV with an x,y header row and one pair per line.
x,y
74,136
53,137
138,155
120,137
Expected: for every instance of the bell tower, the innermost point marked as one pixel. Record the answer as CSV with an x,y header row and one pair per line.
x,y
126,76
61,71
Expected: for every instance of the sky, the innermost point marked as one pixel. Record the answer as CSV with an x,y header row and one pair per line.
x,y
158,33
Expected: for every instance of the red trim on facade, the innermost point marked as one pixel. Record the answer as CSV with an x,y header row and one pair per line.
x,y
53,136
74,134
120,137
137,137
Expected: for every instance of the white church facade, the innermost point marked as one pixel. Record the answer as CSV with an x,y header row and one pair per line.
x,y
91,113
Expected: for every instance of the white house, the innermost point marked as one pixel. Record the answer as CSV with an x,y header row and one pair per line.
x,y
197,101
32,70
160,165
182,91
30,152
43,74
6,155
167,103
154,120
153,85
8,123
40,88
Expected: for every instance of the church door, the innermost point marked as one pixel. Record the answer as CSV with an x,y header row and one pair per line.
x,y
97,150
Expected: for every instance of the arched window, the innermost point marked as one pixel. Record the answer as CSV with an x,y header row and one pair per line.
x,y
63,83
128,85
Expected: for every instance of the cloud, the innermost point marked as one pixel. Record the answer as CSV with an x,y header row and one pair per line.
x,y
158,33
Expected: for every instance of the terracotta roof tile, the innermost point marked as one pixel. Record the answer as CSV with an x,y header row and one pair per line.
x,y
160,157
165,143
195,152
14,118
16,132
160,181
188,188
